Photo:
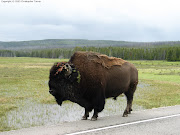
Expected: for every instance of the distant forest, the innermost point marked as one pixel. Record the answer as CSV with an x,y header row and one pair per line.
x,y
71,43
127,53
64,48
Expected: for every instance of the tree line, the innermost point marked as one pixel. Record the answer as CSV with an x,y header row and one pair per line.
x,y
166,53
71,43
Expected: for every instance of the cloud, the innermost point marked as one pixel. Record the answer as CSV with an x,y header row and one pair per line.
x,y
136,20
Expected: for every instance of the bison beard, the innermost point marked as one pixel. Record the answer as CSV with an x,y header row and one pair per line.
x,y
89,78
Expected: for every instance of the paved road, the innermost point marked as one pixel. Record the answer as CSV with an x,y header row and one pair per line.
x,y
160,121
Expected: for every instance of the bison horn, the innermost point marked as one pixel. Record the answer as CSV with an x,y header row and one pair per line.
x,y
68,69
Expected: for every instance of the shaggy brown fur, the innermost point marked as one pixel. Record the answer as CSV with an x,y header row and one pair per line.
x,y
101,77
101,59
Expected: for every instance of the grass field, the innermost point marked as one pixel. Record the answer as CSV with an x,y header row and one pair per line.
x,y
25,81
164,83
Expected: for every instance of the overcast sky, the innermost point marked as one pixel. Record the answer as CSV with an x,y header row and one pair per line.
x,y
127,20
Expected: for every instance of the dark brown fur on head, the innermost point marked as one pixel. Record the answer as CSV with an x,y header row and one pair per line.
x,y
63,85
56,68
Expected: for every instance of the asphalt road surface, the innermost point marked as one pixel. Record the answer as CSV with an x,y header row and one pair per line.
x,y
159,121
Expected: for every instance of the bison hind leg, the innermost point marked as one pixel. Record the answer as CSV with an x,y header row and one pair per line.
x,y
129,95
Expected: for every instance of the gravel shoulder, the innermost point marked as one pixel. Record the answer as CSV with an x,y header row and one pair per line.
x,y
83,125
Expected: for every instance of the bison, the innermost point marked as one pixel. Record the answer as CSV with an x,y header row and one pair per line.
x,y
88,78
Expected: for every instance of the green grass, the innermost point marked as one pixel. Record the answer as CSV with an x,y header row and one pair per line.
x,y
164,83
26,79
21,79
159,94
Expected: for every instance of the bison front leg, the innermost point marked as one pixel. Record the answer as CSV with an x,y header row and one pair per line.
x,y
98,107
95,115
86,115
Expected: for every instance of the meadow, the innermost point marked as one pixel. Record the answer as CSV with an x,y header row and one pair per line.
x,y
25,100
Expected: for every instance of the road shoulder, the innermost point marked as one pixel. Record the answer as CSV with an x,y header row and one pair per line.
x,y
83,125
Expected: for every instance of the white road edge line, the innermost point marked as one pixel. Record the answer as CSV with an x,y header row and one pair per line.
x,y
125,124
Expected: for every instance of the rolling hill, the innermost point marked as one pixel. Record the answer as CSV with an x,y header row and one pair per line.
x,y
71,43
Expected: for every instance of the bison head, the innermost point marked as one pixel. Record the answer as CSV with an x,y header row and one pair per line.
x,y
63,79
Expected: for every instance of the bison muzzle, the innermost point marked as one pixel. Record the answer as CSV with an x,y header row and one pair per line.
x,y
89,78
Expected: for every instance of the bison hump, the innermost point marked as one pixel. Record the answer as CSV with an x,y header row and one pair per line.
x,y
101,59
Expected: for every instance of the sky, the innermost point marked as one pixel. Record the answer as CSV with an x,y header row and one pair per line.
x,y
127,20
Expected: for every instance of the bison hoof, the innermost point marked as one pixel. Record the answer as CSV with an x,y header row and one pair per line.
x,y
125,115
84,118
93,119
